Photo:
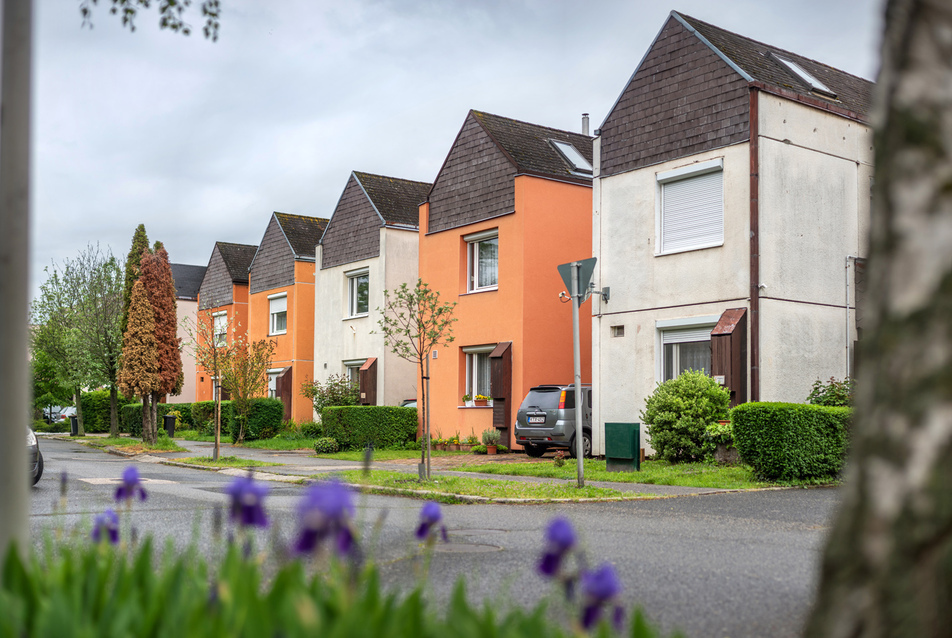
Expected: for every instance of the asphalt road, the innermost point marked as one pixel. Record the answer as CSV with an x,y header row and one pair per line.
x,y
727,564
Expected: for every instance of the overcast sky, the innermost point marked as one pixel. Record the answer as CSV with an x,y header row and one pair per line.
x,y
201,141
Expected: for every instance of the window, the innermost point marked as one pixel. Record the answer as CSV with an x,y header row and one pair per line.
x,y
477,370
815,85
618,331
273,382
685,345
358,293
483,260
352,370
220,329
691,207
575,159
279,313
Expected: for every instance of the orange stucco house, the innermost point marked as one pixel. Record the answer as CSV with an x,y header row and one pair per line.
x,y
511,202
223,294
281,305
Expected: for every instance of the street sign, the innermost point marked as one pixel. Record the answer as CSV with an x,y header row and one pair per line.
x,y
585,269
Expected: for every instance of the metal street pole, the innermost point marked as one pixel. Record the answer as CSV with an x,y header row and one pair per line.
x,y
576,351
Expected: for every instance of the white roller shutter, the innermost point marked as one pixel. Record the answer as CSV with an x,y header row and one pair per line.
x,y
692,212
685,335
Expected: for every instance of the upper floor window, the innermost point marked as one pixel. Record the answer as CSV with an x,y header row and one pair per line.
x,y
220,329
483,260
358,293
691,207
279,313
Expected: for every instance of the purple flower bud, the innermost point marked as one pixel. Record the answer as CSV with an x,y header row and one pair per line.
x,y
599,587
430,517
325,511
106,527
559,540
131,486
247,502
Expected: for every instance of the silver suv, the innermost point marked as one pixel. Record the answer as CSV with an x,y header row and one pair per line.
x,y
546,419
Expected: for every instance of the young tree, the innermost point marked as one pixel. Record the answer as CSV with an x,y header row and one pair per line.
x,y
413,322
212,354
139,368
887,568
48,388
245,375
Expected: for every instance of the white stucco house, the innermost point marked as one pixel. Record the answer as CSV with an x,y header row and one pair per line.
x,y
731,208
188,280
370,245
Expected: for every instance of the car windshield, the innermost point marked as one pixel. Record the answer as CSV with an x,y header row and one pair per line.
x,y
546,399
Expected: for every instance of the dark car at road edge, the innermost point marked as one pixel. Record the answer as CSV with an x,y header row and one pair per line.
x,y
546,419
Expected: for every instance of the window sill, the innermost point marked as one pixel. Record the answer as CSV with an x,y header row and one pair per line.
x,y
474,407
277,334
687,250
481,290
360,316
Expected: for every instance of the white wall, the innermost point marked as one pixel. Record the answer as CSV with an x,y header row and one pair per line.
x,y
186,311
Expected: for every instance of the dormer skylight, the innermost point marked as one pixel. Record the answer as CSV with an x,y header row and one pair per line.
x,y
575,159
815,85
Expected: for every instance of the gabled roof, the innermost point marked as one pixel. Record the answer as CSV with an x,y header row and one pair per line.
x,y
758,62
303,233
188,279
397,200
237,258
529,146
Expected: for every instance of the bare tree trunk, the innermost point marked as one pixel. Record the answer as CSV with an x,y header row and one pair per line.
x,y
887,570
77,399
154,418
113,412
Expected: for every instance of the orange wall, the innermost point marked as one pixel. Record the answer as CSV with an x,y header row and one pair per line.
x,y
552,224
238,319
296,347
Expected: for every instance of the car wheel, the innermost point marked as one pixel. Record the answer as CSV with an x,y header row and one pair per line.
x,y
39,468
535,451
586,445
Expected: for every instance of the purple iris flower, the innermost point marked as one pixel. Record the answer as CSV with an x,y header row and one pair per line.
x,y
325,512
247,502
131,486
430,517
599,587
559,540
106,526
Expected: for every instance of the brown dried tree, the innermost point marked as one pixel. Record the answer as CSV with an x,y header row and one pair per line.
x,y
139,368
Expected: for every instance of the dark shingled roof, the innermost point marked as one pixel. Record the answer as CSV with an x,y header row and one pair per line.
x,y
303,233
754,58
237,258
188,279
397,200
528,148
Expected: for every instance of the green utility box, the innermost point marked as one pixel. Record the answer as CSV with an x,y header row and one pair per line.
x,y
623,447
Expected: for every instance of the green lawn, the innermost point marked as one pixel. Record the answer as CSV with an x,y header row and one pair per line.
x,y
129,444
447,487
652,472
194,435
278,443
388,455
223,461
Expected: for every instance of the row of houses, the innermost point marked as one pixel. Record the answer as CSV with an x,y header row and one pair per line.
x,y
725,197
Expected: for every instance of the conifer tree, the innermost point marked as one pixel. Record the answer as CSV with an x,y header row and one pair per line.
x,y
139,370
140,244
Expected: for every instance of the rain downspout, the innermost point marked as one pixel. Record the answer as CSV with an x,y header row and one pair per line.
x,y
847,271
754,247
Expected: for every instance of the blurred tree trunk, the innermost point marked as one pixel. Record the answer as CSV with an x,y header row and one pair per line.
x,y
887,570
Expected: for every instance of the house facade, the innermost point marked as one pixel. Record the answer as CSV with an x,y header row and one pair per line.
x,y
281,305
223,297
731,204
188,281
370,245
512,201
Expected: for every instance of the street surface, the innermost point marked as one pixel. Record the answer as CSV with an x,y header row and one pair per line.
x,y
724,564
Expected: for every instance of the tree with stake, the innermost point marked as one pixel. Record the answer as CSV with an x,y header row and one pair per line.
x,y
209,343
413,322
245,375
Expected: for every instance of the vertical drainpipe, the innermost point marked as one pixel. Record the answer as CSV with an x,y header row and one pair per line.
x,y
754,247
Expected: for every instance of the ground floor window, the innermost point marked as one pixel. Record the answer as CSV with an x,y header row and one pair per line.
x,y
273,382
477,370
352,370
685,348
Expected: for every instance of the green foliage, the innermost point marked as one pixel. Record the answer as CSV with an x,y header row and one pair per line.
x,y
833,393
326,445
677,415
336,391
264,419
48,388
312,430
203,416
130,418
491,436
720,432
356,426
95,407
791,441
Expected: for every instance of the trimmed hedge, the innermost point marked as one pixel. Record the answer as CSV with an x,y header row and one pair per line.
x,y
95,408
791,441
130,417
264,420
354,426
185,415
203,416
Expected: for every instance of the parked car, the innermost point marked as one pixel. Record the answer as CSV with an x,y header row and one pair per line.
x,y
546,419
408,403
34,456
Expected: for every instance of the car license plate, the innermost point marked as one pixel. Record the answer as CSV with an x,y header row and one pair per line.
x,y
536,419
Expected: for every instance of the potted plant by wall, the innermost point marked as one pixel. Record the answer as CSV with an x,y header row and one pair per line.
x,y
491,440
466,445
453,444
467,400
481,400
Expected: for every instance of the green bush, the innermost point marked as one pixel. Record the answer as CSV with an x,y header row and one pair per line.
x,y
833,393
382,425
95,407
677,415
791,441
338,390
203,417
185,415
264,420
326,445
130,417
312,430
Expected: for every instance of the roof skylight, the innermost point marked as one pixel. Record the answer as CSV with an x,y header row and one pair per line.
x,y
575,159
814,84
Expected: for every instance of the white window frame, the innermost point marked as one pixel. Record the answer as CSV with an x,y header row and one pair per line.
x,y
707,211
472,260
353,280
681,330
472,362
273,375
220,328
275,301
352,369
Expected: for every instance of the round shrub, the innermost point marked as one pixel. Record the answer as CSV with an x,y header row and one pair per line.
x,y
677,415
326,445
